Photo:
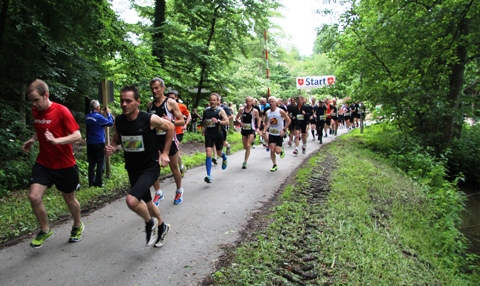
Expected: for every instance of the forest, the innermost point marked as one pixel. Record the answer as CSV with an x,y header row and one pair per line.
x,y
415,64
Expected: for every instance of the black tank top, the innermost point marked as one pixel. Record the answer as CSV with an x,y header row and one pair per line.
x,y
139,142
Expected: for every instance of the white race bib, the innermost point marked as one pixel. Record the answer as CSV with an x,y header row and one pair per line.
x,y
133,143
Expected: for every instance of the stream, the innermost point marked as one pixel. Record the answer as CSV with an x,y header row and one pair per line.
x,y
470,225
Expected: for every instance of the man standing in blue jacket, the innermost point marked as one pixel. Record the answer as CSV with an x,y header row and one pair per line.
x,y
96,122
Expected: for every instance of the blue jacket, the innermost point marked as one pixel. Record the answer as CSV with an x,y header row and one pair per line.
x,y
95,123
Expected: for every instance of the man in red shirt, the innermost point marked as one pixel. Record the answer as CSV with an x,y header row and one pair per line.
x,y
55,130
173,94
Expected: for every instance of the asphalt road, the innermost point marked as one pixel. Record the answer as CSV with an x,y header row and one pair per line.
x,y
113,250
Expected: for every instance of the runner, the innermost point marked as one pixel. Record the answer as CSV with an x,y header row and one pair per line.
x,y
250,120
274,119
302,115
173,94
55,130
135,133
167,109
213,117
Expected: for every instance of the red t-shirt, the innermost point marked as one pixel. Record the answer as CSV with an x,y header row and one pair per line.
x,y
60,122
184,111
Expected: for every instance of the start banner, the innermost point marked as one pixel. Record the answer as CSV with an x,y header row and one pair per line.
x,y
315,81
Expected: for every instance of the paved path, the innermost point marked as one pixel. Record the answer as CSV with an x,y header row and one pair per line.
x,y
113,250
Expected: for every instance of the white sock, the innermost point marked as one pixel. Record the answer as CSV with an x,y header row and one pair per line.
x,y
159,191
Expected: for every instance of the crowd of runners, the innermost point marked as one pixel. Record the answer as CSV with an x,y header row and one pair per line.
x,y
150,139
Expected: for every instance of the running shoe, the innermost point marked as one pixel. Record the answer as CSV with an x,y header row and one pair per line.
x,y
268,149
325,136
244,165
183,170
224,163
178,197
208,179
289,143
313,138
228,150
304,149
151,229
253,146
158,198
41,237
161,238
76,233
282,154
214,161
274,168
295,152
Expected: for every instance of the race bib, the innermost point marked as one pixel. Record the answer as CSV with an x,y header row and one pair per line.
x,y
321,117
247,126
273,131
133,143
333,114
300,116
347,114
210,123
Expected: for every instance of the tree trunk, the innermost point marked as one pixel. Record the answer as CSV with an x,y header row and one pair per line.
x,y
3,21
158,36
451,123
204,65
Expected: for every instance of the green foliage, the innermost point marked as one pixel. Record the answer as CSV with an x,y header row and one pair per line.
x,y
15,165
400,55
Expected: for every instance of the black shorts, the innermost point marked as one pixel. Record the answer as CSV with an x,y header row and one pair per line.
x,y
328,122
140,183
247,132
277,140
173,147
217,141
179,137
66,180
351,118
292,125
302,126
334,118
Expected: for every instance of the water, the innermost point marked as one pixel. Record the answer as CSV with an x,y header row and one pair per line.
x,y
471,218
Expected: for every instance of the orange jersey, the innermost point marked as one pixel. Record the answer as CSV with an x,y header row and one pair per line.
x,y
184,111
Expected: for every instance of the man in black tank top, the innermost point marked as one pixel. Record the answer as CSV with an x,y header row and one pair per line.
x,y
135,133
250,122
167,109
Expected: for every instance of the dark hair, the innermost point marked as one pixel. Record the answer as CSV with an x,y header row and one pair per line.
x,y
136,93
172,92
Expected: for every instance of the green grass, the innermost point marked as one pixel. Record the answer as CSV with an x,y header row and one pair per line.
x,y
376,227
16,216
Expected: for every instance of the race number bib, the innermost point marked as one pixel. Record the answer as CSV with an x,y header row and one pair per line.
x,y
133,143
321,117
273,131
300,117
333,114
210,123
247,126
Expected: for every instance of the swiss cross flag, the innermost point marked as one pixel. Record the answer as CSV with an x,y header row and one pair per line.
x,y
300,81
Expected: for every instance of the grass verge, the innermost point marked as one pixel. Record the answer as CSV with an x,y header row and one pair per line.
x,y
350,218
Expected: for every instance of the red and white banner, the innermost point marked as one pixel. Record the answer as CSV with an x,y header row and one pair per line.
x,y
315,81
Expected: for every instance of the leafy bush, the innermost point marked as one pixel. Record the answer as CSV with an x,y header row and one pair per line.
x,y
15,165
